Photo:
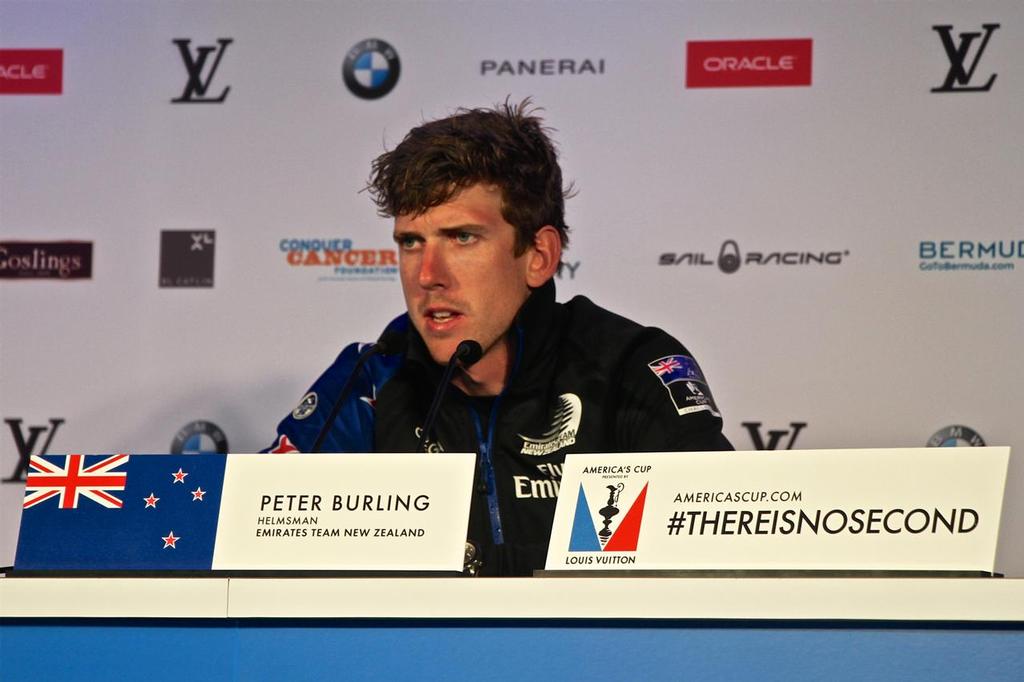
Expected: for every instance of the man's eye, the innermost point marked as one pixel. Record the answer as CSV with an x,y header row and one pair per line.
x,y
407,243
465,237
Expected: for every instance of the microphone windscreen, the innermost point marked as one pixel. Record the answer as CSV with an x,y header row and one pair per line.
x,y
468,352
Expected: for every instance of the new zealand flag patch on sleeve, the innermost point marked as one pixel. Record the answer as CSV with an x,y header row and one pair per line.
x,y
685,383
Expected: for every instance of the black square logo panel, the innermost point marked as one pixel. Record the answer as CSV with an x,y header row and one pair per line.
x,y
186,258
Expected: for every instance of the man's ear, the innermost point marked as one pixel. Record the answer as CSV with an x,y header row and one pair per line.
x,y
543,256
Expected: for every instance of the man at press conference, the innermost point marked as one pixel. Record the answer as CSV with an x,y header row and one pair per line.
x,y
478,205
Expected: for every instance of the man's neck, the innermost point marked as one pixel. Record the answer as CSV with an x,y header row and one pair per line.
x,y
487,377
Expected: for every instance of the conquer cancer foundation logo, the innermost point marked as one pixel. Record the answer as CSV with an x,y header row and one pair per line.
x,y
601,525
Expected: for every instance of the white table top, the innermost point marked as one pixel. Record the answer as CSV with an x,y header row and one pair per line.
x,y
817,598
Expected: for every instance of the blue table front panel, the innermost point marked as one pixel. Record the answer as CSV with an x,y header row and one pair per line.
x,y
153,650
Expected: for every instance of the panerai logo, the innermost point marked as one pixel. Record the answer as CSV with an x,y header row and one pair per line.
x,y
541,67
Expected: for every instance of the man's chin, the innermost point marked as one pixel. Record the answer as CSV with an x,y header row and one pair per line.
x,y
441,350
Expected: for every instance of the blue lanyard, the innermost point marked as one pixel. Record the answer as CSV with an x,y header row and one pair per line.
x,y
486,447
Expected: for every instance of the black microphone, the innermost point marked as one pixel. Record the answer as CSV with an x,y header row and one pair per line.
x,y
466,354
389,342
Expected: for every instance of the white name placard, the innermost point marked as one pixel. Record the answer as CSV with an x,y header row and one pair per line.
x,y
366,512
880,509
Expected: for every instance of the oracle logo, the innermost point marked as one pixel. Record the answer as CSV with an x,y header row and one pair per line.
x,y
31,72
23,72
743,64
748,63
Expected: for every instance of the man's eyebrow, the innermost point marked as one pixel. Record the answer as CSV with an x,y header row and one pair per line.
x,y
447,230
462,228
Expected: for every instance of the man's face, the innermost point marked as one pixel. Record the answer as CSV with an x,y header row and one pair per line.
x,y
461,277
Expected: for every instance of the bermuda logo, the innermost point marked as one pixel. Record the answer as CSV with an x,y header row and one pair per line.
x,y
616,534
564,425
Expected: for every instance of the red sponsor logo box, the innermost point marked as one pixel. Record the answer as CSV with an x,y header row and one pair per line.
x,y
31,72
748,63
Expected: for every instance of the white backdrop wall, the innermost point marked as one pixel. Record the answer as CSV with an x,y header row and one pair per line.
x,y
865,164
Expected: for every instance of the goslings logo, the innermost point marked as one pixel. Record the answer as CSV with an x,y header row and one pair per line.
x,y
565,422
46,260
615,534
195,64
335,259
748,63
371,69
730,259
960,74
541,67
31,72
198,438
956,436
950,256
186,258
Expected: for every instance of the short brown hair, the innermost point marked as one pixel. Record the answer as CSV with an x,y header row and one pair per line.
x,y
507,146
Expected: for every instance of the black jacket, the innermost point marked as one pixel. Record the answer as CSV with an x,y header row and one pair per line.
x,y
583,380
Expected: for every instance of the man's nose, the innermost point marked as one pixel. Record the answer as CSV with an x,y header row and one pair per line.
x,y
433,267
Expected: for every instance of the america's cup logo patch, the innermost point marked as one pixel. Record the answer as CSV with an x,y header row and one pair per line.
x,y
685,383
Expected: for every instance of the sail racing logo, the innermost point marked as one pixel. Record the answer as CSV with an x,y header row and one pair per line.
x,y
608,520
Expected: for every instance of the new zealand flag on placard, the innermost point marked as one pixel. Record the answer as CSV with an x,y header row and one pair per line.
x,y
120,512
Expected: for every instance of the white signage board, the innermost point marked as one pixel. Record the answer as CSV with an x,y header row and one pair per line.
x,y
396,512
880,509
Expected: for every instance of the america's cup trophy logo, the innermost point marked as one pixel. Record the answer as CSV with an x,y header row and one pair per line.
x,y
609,511
623,537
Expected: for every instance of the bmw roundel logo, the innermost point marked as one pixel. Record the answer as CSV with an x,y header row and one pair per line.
x,y
371,69
199,437
954,436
